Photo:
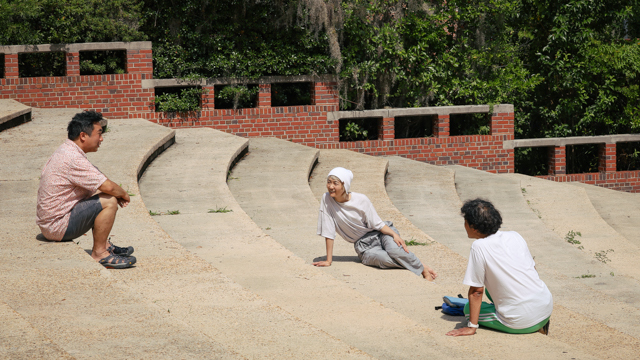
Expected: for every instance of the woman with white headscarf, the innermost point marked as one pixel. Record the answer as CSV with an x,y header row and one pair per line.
x,y
352,215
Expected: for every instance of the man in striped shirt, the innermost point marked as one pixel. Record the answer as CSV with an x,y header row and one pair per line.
x,y
74,196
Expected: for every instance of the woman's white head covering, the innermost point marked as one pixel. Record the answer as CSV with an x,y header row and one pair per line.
x,y
344,175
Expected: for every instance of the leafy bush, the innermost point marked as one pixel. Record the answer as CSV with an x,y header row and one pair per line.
x,y
178,100
359,129
235,96
102,62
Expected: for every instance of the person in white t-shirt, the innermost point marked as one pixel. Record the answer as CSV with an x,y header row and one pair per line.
x,y
501,264
377,243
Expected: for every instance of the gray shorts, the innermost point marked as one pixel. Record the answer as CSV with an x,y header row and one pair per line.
x,y
82,217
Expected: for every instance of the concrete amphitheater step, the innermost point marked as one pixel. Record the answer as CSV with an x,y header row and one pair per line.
x,y
273,189
20,340
191,177
612,301
352,325
84,309
13,113
409,176
565,208
619,209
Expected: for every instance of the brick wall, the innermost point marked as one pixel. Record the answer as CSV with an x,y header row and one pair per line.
x,y
116,96
628,181
127,96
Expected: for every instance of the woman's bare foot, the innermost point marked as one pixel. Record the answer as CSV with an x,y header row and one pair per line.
x,y
429,274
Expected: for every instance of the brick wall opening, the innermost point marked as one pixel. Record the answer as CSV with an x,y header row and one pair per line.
x,y
103,62
235,96
1,66
360,129
627,156
41,64
531,161
291,94
582,158
469,124
181,99
406,127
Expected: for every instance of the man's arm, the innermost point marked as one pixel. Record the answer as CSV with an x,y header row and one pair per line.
x,y
475,302
329,260
113,189
396,238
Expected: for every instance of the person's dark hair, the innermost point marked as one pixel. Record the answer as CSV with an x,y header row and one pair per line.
x,y
482,216
83,122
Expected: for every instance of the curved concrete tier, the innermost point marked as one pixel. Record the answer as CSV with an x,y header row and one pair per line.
x,y
406,177
241,250
560,264
271,190
619,209
84,309
564,208
191,177
13,113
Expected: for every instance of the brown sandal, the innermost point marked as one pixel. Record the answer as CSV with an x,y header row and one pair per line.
x,y
117,262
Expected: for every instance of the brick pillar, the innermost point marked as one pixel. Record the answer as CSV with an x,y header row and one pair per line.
x,y
264,95
557,160
208,98
140,62
325,94
441,126
502,124
386,130
73,63
11,66
607,158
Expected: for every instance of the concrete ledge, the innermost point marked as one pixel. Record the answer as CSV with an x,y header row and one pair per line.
x,y
135,45
153,83
575,140
13,113
434,110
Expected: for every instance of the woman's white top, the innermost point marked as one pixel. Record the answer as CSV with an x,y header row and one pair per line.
x,y
503,264
351,219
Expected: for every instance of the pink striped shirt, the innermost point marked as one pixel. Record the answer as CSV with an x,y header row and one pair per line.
x,y
67,178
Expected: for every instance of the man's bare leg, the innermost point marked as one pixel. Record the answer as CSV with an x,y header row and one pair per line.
x,y
102,226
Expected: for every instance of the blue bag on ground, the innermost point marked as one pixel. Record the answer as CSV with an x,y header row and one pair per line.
x,y
453,305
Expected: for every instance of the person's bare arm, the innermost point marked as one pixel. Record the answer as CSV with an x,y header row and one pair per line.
x,y
113,189
475,302
396,238
329,260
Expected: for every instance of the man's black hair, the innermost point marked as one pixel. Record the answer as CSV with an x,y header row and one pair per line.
x,y
482,216
82,122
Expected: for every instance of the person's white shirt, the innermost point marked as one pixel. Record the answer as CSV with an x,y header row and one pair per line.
x,y
503,265
351,219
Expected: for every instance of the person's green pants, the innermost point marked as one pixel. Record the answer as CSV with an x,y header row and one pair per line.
x,y
488,318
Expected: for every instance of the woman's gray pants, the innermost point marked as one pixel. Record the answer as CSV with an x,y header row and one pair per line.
x,y
379,250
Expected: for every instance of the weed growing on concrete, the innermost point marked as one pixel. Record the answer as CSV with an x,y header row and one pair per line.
x,y
269,228
524,191
173,212
612,274
414,242
585,276
535,211
220,210
602,256
154,213
571,237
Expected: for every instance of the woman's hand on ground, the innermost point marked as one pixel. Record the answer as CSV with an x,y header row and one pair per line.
x,y
321,263
462,332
